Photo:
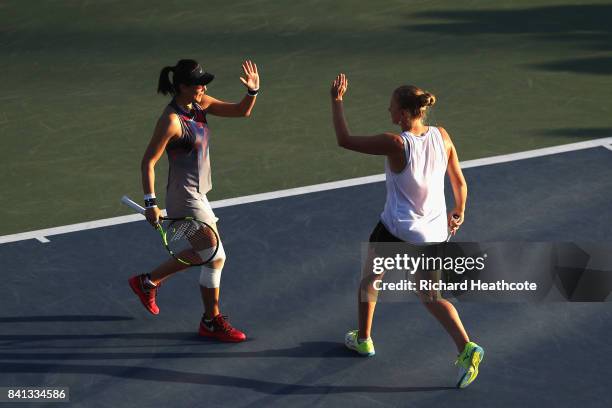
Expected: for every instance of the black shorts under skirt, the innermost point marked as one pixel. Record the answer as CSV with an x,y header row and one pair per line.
x,y
382,234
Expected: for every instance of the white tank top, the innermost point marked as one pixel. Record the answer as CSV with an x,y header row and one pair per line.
x,y
415,210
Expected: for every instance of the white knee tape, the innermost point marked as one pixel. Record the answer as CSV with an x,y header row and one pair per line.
x,y
220,255
209,277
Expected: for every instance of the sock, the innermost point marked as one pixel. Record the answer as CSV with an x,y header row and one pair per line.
x,y
148,283
363,340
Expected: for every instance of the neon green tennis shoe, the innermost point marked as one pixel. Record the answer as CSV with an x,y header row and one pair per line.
x,y
363,348
468,362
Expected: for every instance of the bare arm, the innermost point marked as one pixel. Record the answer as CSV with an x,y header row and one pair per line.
x,y
227,109
165,130
387,144
457,182
242,108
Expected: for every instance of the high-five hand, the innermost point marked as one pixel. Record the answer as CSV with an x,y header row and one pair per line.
x,y
339,87
252,76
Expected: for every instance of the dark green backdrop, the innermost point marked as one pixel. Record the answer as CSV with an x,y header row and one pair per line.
x,y
78,82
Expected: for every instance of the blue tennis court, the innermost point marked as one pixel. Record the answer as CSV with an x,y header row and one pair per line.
x,y
68,317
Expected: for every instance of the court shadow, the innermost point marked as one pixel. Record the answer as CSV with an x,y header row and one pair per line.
x,y
174,376
64,318
588,23
187,335
595,66
578,27
304,350
587,133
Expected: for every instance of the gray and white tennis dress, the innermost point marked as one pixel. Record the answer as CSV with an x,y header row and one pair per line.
x,y
189,176
415,209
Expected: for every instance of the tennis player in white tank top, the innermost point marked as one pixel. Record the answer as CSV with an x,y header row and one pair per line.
x,y
415,209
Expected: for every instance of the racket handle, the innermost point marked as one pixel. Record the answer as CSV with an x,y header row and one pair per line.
x,y
127,201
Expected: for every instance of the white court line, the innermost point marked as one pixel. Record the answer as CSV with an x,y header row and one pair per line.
x,y
41,235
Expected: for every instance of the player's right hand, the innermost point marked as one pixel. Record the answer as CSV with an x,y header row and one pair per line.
x,y
339,87
153,215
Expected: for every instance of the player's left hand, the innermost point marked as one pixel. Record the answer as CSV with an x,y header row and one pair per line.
x,y
252,76
455,219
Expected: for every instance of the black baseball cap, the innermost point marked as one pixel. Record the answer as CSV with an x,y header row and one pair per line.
x,y
195,76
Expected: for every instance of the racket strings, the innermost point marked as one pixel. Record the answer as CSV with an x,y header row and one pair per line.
x,y
192,241
202,238
180,230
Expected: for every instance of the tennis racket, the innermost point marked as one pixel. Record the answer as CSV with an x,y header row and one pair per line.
x,y
190,241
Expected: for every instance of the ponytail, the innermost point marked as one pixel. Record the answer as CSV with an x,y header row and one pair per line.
x,y
165,86
426,100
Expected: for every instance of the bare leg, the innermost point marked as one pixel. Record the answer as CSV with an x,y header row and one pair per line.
x,y
166,269
366,299
171,266
366,315
447,315
210,299
441,309
210,296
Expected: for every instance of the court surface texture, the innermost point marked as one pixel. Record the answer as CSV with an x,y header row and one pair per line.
x,y
68,317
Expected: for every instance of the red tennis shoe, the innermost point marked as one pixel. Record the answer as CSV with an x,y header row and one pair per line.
x,y
220,329
144,292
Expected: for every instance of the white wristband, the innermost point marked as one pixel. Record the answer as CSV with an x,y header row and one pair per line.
x,y
150,201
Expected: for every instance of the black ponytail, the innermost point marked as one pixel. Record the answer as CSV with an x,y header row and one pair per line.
x,y
165,86
180,75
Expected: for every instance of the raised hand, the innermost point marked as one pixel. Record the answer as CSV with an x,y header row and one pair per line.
x,y
339,87
252,76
